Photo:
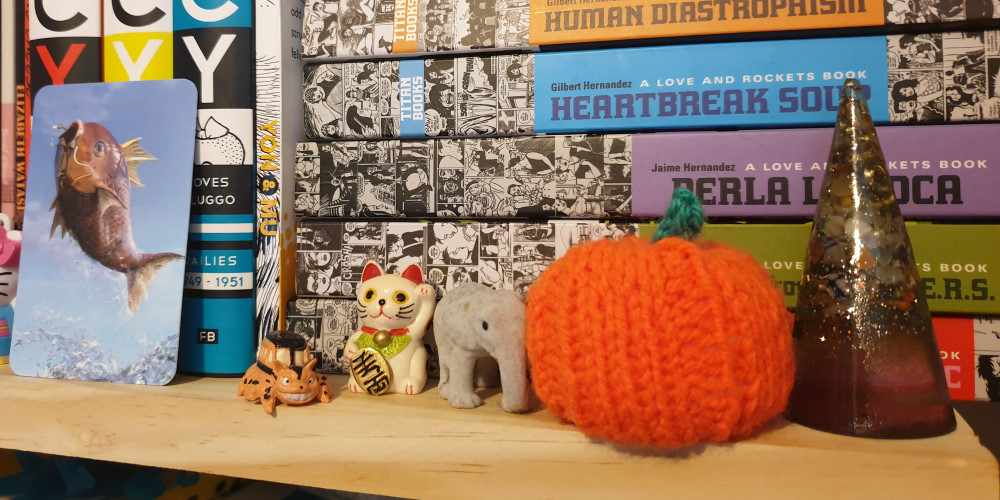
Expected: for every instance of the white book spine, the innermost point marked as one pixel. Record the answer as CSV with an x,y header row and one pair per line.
x,y
278,119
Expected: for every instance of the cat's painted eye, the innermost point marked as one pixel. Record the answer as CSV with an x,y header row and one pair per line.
x,y
486,326
312,381
369,295
286,381
400,297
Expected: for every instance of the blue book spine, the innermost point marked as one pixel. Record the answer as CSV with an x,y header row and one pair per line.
x,y
769,83
926,78
213,47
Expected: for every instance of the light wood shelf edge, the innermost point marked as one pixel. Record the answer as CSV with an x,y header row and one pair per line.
x,y
418,446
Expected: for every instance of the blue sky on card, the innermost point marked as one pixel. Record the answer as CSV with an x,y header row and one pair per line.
x,y
61,287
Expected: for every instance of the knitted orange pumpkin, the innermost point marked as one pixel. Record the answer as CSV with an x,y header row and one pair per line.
x,y
666,343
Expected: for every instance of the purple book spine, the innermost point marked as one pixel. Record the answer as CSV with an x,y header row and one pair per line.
x,y
938,171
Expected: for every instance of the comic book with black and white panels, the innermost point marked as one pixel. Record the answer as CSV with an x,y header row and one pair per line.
x,y
470,96
938,171
350,29
331,255
503,255
569,176
912,78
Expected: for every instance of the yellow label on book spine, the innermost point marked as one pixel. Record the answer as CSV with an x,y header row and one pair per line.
x,y
138,56
571,21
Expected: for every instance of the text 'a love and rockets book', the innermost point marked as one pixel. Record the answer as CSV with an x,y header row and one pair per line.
x,y
925,78
371,28
105,232
938,171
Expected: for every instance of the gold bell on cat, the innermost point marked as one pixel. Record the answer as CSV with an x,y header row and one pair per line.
x,y
382,338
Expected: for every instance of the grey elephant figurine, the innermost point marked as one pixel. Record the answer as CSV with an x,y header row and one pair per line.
x,y
473,322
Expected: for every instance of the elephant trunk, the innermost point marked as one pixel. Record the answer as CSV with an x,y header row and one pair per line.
x,y
514,381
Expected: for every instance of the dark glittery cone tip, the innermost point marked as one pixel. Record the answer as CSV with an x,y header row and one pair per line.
x,y
854,107
854,140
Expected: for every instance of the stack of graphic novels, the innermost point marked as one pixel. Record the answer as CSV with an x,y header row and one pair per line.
x,y
512,130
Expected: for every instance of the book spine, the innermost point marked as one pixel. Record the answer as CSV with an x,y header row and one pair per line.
x,y
278,119
22,107
939,172
927,78
331,253
7,115
214,49
65,42
347,29
327,324
139,44
504,255
961,279
956,339
341,29
63,45
958,279
572,21
986,332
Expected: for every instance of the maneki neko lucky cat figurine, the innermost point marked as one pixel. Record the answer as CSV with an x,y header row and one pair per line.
x,y
387,354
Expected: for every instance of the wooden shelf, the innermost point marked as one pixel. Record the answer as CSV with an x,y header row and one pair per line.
x,y
418,446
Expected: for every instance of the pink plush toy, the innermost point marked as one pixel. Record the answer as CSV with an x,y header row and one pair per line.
x,y
10,262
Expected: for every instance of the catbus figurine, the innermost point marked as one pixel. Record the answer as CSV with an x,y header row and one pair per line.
x,y
283,373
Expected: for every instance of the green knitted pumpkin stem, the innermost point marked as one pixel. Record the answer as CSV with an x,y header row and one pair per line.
x,y
684,217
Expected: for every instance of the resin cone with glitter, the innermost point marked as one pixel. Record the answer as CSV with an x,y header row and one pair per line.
x,y
867,362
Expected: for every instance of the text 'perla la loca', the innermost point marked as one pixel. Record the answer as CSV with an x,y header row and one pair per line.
x,y
598,17
918,189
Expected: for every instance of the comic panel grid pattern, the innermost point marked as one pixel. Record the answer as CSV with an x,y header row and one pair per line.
x,y
944,77
464,96
987,345
359,28
506,256
532,177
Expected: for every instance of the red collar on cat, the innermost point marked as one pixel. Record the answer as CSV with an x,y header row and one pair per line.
x,y
394,332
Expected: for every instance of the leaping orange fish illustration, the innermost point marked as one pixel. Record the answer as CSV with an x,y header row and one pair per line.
x,y
94,178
